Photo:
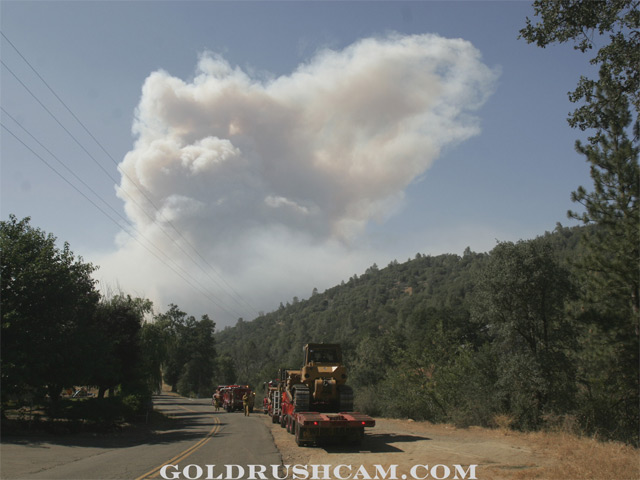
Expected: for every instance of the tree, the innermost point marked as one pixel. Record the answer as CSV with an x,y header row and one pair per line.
x,y
225,372
191,354
245,360
610,310
48,301
172,322
117,359
586,22
197,374
154,345
612,151
614,247
520,300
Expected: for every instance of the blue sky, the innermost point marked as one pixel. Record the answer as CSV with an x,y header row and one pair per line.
x,y
506,173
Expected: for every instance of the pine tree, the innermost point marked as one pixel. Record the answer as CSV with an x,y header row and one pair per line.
x,y
613,247
611,317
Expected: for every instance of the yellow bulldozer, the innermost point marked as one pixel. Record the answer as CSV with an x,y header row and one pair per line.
x,y
320,385
317,405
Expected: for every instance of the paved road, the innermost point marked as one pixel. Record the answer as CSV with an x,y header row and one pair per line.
x,y
198,436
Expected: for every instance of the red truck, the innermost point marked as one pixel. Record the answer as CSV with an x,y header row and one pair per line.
x,y
232,397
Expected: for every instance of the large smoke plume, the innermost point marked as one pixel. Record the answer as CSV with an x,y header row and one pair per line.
x,y
272,181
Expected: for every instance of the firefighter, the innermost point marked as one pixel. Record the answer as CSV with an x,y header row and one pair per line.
x,y
245,403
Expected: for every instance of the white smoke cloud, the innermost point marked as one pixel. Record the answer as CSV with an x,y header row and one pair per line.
x,y
265,177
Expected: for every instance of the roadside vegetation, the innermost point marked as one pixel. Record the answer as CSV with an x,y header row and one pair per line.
x,y
572,457
59,332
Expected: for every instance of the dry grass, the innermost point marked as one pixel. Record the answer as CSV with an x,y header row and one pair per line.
x,y
575,458
503,422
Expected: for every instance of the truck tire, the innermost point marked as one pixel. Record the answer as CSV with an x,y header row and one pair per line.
x,y
301,398
356,437
345,398
299,434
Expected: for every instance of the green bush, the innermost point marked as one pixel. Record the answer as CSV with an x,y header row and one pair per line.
x,y
367,400
105,412
135,405
100,411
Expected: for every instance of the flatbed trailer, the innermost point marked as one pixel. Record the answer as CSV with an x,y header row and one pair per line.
x,y
314,427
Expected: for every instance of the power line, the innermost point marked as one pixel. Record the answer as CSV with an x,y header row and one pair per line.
x,y
140,188
200,289
60,162
234,295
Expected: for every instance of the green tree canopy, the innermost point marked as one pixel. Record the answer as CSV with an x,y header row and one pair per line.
x,y
614,248
116,332
610,310
614,25
190,351
48,300
521,300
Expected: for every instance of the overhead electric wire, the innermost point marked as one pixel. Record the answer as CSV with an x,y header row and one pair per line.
x,y
60,162
127,221
115,180
89,154
105,171
140,189
234,295
196,287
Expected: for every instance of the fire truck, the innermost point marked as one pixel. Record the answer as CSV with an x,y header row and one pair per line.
x,y
232,397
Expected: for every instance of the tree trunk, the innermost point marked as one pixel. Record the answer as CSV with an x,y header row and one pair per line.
x,y
54,397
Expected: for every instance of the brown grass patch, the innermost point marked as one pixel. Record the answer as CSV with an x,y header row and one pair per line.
x,y
583,458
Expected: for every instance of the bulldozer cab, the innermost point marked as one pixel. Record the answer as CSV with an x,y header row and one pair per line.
x,y
322,379
322,353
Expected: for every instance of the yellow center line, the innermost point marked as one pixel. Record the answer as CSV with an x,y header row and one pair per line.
x,y
184,454
185,408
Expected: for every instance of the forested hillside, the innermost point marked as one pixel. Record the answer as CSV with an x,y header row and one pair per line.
x,y
499,338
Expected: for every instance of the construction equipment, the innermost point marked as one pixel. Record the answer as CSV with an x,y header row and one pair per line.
x,y
316,404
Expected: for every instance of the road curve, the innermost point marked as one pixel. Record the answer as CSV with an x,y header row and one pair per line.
x,y
197,436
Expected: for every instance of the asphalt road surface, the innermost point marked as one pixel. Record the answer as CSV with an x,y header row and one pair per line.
x,y
195,438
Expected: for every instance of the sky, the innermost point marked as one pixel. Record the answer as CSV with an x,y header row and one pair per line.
x,y
227,157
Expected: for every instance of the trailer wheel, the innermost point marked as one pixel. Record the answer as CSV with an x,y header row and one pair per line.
x,y
356,437
299,435
345,398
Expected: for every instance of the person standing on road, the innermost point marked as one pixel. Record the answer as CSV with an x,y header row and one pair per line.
x,y
245,404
